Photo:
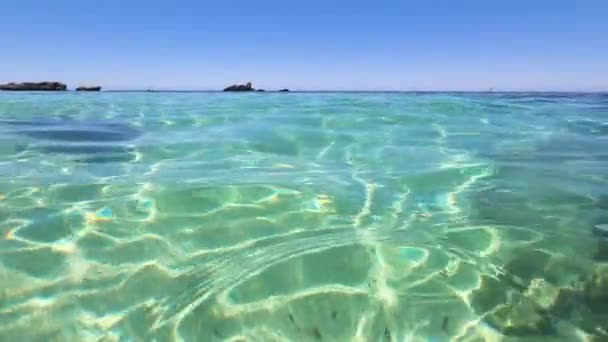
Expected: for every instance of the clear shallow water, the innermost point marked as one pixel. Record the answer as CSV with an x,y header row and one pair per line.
x,y
303,217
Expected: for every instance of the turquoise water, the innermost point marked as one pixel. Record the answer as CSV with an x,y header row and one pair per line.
x,y
303,217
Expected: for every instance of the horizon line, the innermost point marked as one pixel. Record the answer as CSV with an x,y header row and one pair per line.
x,y
315,91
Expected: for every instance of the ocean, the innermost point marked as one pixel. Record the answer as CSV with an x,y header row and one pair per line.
x,y
209,216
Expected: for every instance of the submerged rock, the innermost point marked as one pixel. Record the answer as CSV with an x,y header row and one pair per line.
x,y
83,88
601,253
601,231
542,293
490,294
522,319
240,87
525,266
602,202
514,312
596,290
536,291
34,86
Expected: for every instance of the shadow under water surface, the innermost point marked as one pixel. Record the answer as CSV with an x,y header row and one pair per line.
x,y
90,141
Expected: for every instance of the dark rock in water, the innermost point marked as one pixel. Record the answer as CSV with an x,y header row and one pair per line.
x,y
592,309
94,88
525,266
240,87
601,254
526,299
491,293
568,300
601,230
284,90
260,90
602,202
596,290
34,86
521,320
515,311
537,309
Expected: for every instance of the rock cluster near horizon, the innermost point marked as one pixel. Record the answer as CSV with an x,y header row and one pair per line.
x,y
58,86
249,87
240,87
93,88
34,86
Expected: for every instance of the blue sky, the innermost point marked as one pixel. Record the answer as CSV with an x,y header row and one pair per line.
x,y
313,44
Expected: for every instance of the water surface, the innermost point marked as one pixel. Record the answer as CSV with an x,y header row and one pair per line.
x,y
303,216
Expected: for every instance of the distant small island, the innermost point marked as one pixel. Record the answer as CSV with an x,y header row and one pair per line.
x,y
240,87
93,88
249,87
34,86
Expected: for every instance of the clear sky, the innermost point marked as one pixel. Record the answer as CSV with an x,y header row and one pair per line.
x,y
308,44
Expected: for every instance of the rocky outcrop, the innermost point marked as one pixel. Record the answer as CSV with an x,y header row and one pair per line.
x,y
596,290
34,86
284,90
83,88
260,90
536,291
240,87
